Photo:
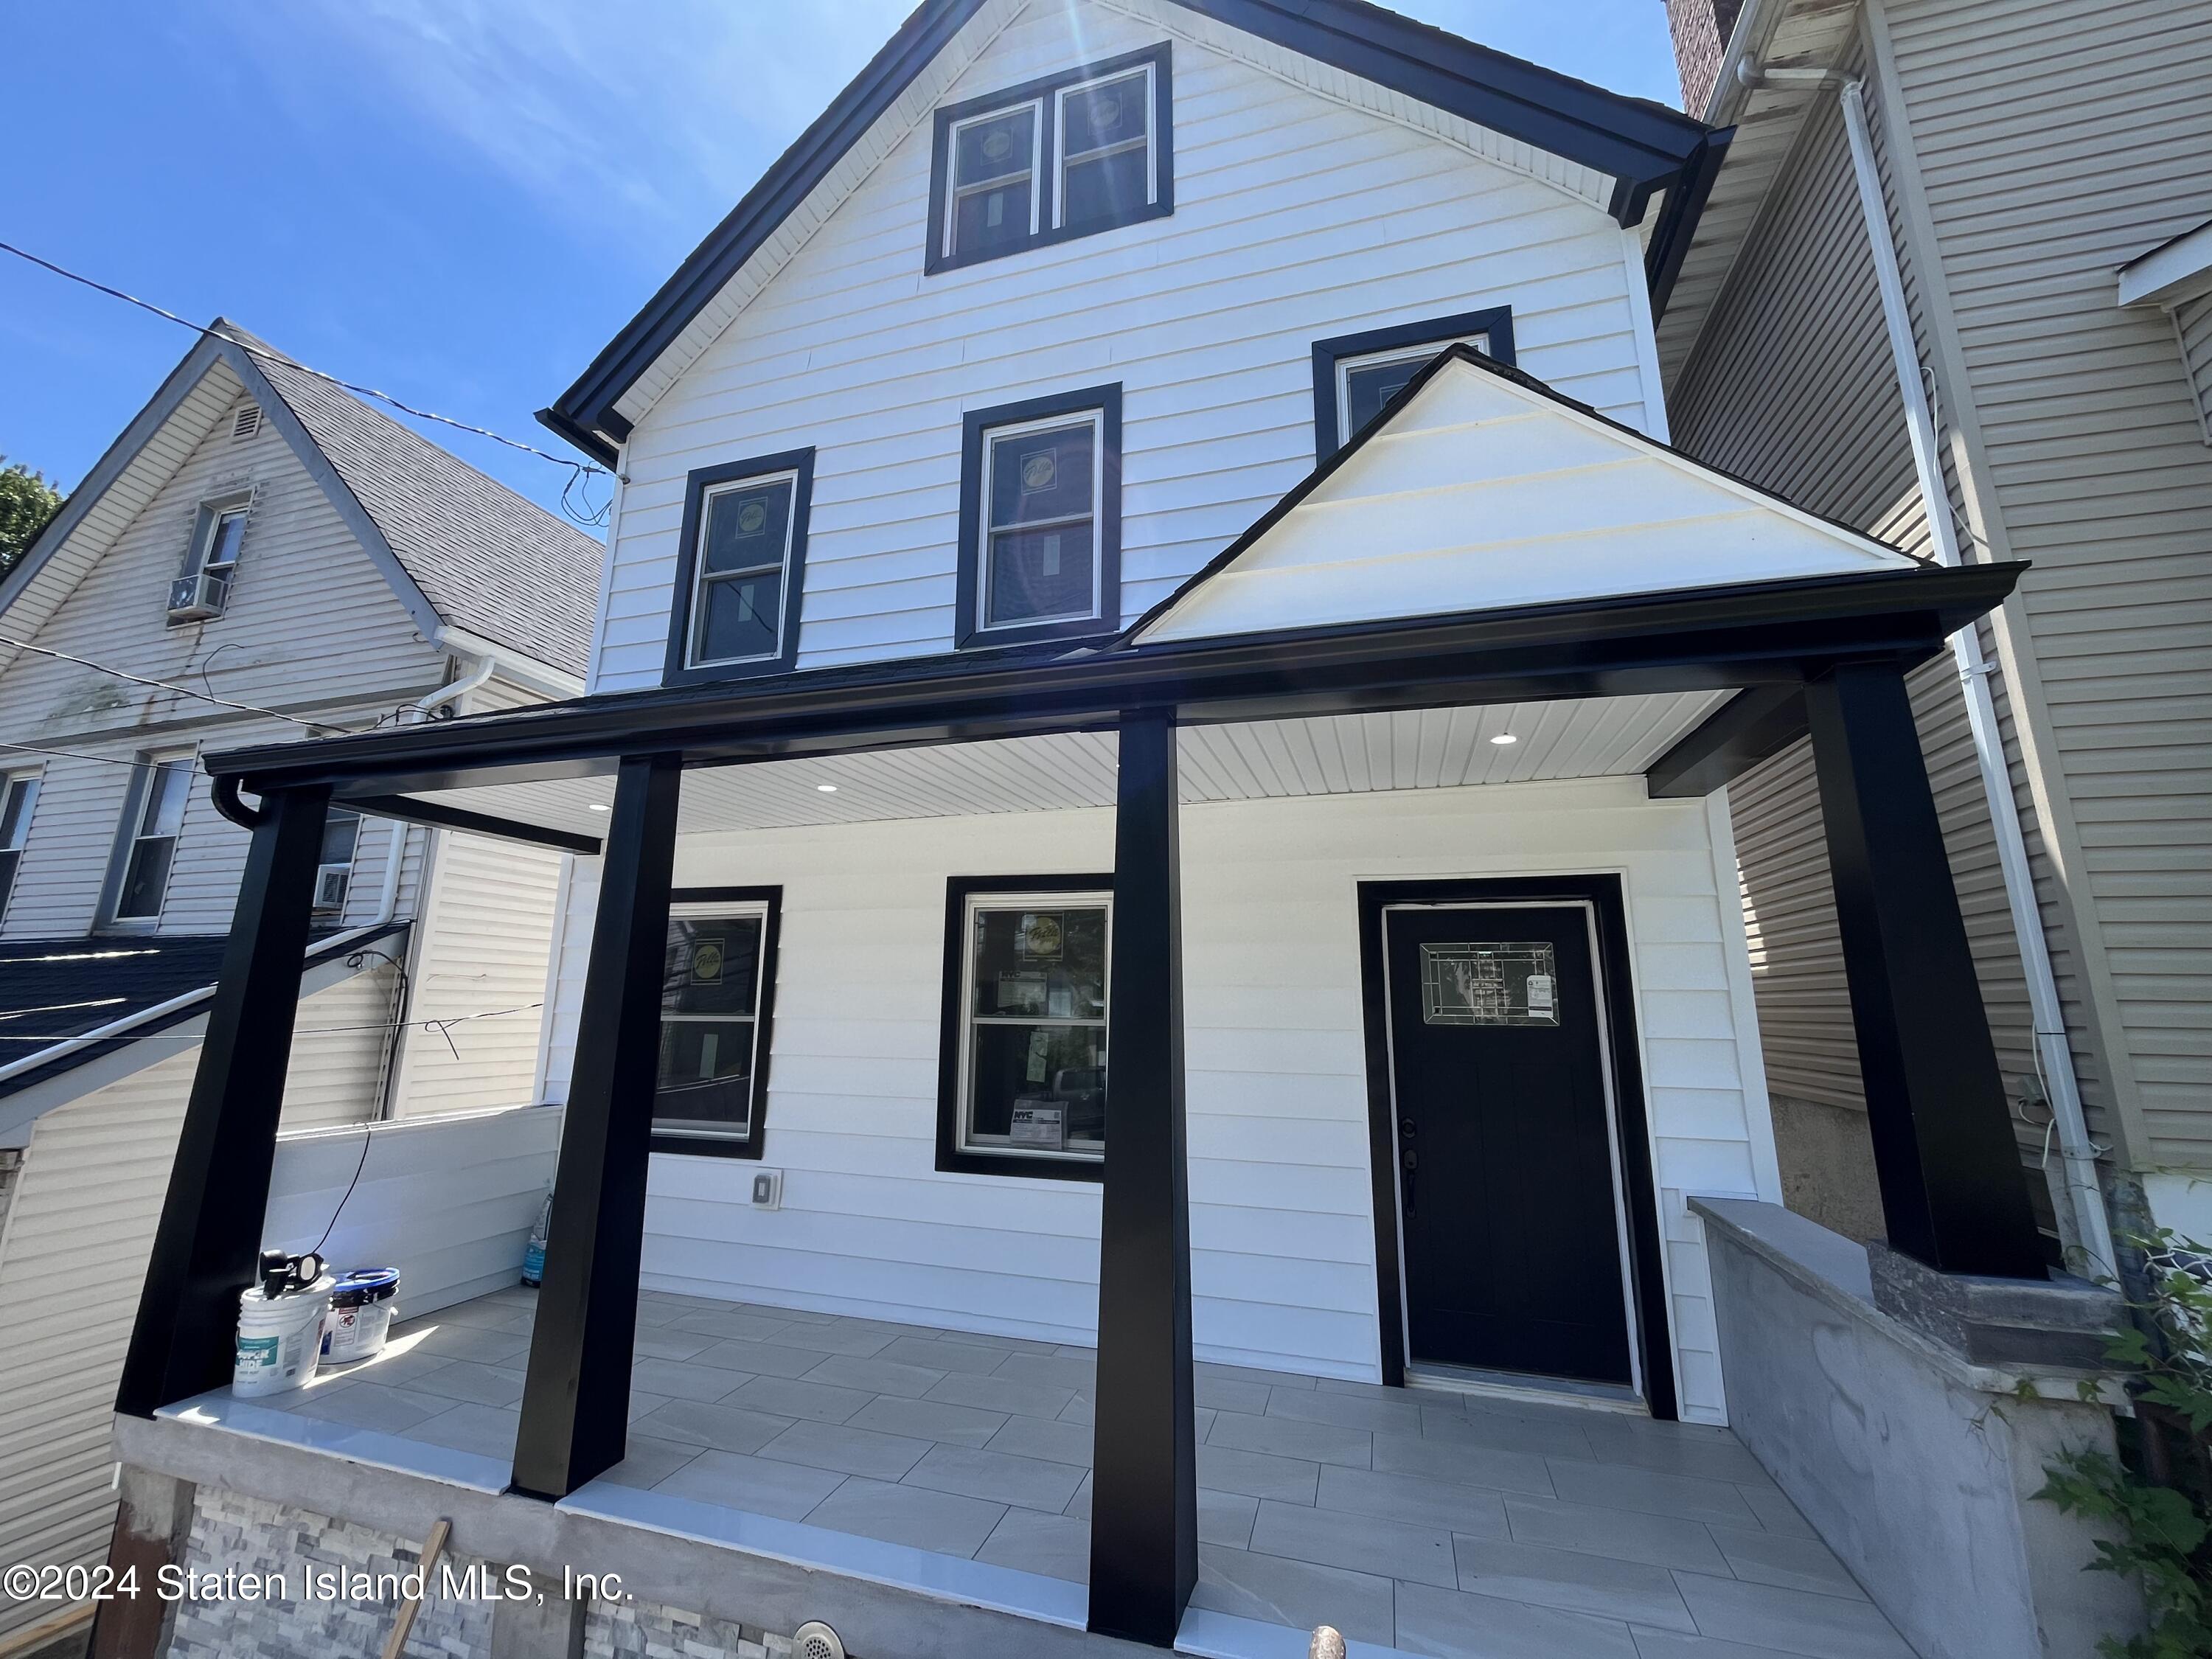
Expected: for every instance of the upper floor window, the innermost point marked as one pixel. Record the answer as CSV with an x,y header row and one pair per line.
x,y
717,995
1040,520
1355,375
741,570
201,588
334,869
1063,156
1022,1082
18,794
152,821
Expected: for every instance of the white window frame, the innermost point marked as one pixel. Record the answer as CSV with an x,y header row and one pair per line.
x,y
702,577
1347,367
142,800
28,779
721,911
953,188
329,815
1096,419
1151,140
964,1105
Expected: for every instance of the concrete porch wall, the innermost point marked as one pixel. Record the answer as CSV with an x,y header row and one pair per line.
x,y
1282,1250
1918,1468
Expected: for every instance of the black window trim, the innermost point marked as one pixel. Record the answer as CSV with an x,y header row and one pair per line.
x,y
953,1158
1044,196
968,630
679,669
763,1023
1493,323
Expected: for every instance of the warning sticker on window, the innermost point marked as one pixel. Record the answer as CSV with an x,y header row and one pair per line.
x,y
1505,983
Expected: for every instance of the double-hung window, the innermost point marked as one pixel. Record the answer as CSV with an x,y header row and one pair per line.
x,y
152,823
1040,520
334,867
1067,156
18,794
1356,376
1023,1071
717,995
202,589
741,569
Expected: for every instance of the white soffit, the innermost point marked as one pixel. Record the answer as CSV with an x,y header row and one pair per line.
x,y
1336,755
1483,494
2173,273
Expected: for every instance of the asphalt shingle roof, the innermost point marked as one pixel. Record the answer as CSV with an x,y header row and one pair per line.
x,y
487,560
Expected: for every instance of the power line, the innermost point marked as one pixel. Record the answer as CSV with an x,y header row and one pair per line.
x,y
578,470
69,754
164,686
440,1026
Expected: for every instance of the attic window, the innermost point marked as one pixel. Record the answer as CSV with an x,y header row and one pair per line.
x,y
246,424
1068,155
1355,375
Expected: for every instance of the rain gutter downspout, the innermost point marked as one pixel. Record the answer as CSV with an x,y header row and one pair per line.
x,y
2054,1058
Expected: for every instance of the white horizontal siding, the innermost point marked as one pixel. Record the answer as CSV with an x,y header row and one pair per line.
x,y
1282,1229
1297,217
449,1203
73,1258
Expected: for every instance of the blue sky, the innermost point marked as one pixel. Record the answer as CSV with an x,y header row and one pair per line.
x,y
456,201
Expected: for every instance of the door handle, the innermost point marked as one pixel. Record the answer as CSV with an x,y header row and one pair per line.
x,y
1411,1162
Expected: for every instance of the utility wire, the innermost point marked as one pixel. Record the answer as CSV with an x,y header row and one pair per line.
x,y
578,470
69,753
165,685
440,1026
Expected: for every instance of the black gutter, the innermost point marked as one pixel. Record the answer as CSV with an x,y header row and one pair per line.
x,y
1677,229
1743,633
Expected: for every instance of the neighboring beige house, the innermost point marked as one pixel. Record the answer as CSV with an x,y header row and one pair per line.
x,y
255,536
2042,176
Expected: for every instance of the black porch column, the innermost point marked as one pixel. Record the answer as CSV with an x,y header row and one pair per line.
x,y
209,1236
575,1403
1144,1510
1953,1193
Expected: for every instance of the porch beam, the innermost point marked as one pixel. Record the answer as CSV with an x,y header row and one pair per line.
x,y
208,1241
1713,638
1953,1191
1757,722
1143,1511
576,1398
437,815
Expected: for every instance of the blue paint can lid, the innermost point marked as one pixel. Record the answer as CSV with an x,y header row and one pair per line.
x,y
364,1285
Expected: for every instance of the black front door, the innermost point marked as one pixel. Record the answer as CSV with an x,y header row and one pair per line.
x,y
1510,1229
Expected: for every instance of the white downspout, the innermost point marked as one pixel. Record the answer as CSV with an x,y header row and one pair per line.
x,y
2054,1059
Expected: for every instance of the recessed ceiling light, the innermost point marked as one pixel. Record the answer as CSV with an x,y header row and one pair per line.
x,y
827,788
1504,738
599,805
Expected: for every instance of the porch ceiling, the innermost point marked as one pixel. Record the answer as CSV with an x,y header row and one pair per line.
x,y
1424,749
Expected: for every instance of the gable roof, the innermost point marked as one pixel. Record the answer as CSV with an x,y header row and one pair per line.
x,y
1645,149
1479,488
461,550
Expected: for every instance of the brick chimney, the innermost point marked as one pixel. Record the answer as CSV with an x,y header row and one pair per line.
x,y
1701,29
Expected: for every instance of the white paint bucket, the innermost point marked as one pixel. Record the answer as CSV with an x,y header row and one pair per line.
x,y
360,1314
278,1338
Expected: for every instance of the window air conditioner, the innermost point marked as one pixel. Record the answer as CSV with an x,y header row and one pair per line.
x,y
194,599
331,886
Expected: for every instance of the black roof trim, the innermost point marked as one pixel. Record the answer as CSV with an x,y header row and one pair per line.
x,y
1645,146
203,955
1678,219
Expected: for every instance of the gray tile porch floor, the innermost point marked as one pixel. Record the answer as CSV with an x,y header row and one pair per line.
x,y
1442,1524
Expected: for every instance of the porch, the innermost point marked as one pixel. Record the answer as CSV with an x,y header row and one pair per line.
x,y
957,1464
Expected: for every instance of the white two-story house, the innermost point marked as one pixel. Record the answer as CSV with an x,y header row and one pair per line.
x,y
1159,963
258,557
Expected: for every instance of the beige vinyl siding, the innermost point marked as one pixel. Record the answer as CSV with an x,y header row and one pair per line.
x,y
2055,141
1791,386
486,938
1297,217
73,1258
